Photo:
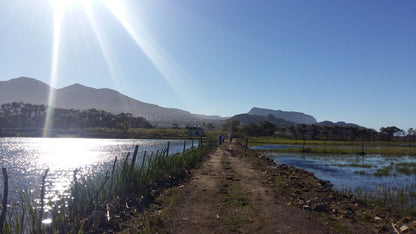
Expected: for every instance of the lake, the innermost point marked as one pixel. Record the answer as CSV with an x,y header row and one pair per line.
x,y
349,171
26,159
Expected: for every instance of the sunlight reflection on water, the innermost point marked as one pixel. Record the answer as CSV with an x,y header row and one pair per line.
x,y
26,159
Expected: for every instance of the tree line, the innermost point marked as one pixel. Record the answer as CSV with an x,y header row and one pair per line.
x,y
20,115
318,132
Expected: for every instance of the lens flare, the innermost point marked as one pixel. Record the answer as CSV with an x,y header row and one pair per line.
x,y
125,12
173,74
57,21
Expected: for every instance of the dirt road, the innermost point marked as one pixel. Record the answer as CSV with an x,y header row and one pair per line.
x,y
227,194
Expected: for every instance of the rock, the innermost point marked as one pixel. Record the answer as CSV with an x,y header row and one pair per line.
x,y
306,207
404,228
320,208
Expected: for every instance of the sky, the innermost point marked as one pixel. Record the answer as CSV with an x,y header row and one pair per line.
x,y
344,60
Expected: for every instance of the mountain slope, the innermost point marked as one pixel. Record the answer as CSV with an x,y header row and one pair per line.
x,y
291,116
248,118
80,97
25,90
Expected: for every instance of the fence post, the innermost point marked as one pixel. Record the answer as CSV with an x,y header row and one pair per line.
x,y
133,160
200,141
246,142
167,149
192,143
4,202
112,172
42,200
144,159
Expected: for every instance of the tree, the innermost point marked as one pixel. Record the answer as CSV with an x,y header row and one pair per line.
x,y
251,130
267,128
294,133
315,131
209,126
231,125
411,134
387,133
302,129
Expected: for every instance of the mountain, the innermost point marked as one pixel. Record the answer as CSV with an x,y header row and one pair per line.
x,y
77,96
249,118
290,116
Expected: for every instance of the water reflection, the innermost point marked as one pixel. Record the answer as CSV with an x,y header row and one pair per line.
x,y
26,159
350,171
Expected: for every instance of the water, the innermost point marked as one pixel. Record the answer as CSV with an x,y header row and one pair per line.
x,y
348,172
26,159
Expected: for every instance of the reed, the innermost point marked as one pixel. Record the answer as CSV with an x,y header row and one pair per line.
x,y
400,199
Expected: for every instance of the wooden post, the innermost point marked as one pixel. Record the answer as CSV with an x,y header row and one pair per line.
x,y
125,161
4,202
192,144
144,159
246,142
167,149
200,141
112,172
75,200
184,145
42,200
133,160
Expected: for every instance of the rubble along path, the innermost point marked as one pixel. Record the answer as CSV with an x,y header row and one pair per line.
x,y
228,194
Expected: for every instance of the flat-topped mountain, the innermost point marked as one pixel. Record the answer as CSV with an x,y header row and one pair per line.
x,y
291,116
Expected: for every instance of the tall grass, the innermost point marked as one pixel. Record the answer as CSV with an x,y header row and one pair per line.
x,y
400,199
91,200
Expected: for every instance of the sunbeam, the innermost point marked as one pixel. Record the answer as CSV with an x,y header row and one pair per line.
x,y
57,22
173,74
99,37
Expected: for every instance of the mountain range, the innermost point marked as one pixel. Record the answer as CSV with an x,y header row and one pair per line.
x,y
77,96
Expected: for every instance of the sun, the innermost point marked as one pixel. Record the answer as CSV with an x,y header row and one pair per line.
x,y
62,4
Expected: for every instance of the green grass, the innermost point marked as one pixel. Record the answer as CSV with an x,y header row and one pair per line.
x,y
400,199
357,165
335,147
385,171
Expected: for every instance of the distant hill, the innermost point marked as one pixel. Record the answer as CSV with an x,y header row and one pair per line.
x,y
249,118
290,116
77,96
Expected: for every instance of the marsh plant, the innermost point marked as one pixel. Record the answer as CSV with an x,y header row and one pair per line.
x,y
400,199
92,198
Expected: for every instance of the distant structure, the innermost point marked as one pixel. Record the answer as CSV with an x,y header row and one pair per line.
x,y
195,131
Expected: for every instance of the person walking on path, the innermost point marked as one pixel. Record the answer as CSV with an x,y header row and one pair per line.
x,y
220,138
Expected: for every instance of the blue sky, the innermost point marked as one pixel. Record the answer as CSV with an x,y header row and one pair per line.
x,y
352,61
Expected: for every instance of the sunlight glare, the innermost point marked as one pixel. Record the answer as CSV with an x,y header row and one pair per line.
x,y
173,74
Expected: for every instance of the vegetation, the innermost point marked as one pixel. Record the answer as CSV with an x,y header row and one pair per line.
x,y
100,201
400,200
319,132
28,119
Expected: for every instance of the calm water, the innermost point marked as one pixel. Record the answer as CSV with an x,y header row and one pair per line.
x,y
26,159
347,171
